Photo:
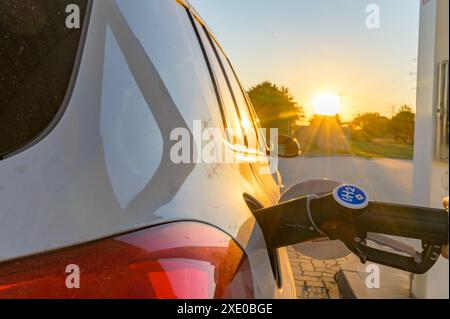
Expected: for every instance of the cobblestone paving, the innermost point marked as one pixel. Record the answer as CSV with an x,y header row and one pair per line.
x,y
314,279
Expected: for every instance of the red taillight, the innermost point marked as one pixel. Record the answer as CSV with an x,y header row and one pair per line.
x,y
183,260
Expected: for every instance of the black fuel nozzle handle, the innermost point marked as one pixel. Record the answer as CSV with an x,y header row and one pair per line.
x,y
348,215
358,227
427,224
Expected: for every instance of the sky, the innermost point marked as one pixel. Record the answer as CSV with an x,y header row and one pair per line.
x,y
314,46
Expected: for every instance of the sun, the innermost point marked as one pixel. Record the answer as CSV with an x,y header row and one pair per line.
x,y
327,103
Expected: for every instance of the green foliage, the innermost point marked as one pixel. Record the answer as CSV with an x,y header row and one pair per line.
x,y
402,125
275,106
369,126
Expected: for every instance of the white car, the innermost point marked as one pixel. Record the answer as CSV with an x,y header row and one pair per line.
x,y
86,180
99,101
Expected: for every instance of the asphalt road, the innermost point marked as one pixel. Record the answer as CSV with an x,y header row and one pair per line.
x,y
388,180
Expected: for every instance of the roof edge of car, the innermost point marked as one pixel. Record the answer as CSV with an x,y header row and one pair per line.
x,y
197,16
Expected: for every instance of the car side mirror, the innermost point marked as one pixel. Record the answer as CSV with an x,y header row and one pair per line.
x,y
288,147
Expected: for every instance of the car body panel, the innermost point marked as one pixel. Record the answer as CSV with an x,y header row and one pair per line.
x,y
105,168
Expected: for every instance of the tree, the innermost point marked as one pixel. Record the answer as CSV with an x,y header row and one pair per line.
x,y
368,126
275,106
402,125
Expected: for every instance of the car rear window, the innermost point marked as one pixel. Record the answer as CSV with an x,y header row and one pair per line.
x,y
39,40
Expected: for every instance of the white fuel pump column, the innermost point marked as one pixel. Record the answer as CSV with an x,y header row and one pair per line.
x,y
430,173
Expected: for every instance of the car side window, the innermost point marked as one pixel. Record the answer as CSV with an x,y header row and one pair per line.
x,y
241,101
37,61
235,130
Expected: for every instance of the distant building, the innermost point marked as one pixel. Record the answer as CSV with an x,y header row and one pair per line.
x,y
324,134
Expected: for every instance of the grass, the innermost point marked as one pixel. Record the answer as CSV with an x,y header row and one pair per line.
x,y
379,149
368,150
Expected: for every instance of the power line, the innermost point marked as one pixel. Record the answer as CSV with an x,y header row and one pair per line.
x,y
380,94
405,98
387,84
386,109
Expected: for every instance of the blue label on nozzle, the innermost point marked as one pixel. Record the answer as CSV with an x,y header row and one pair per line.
x,y
351,196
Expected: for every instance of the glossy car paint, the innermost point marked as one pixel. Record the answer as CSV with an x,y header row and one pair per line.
x,y
105,168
